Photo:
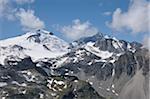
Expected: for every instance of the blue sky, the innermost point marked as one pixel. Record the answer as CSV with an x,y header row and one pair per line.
x,y
54,15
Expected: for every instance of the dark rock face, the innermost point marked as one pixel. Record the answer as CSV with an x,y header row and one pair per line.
x,y
23,64
136,45
35,38
25,80
51,33
18,47
94,38
126,63
104,75
105,44
143,57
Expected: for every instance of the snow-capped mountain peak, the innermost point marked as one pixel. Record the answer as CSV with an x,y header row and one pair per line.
x,y
36,44
106,43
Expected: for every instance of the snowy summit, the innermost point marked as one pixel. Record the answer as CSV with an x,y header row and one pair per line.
x,y
36,44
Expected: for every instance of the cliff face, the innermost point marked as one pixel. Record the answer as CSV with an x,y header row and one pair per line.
x,y
138,86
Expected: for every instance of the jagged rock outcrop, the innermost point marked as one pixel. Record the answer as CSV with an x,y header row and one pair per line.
x,y
24,81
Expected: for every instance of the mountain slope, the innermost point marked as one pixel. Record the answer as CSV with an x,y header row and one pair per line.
x,y
36,44
25,80
107,63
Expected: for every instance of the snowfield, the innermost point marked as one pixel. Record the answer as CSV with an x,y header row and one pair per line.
x,y
36,44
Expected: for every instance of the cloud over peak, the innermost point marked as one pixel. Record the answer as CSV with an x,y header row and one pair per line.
x,y
3,4
78,30
28,20
6,9
136,19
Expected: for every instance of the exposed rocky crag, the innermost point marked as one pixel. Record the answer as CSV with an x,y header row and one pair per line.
x,y
26,81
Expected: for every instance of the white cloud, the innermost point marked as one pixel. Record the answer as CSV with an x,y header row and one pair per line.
x,y
107,13
136,19
78,30
6,9
3,6
24,1
27,18
12,13
29,21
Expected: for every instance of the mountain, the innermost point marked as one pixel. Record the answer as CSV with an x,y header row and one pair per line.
x,y
110,65
40,65
36,44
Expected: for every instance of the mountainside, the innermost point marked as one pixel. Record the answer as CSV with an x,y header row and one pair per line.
x,y
27,81
40,65
36,44
109,65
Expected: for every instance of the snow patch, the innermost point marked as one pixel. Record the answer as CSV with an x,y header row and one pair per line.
x,y
2,84
103,54
59,82
113,86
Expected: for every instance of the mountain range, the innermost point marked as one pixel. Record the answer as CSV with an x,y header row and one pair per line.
x,y
39,65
